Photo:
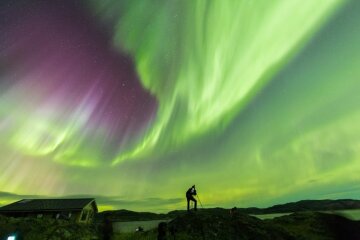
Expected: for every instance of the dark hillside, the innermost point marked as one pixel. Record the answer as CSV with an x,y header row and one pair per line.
x,y
206,225
298,226
126,215
321,226
313,205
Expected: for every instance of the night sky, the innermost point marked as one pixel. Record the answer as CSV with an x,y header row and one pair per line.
x,y
132,102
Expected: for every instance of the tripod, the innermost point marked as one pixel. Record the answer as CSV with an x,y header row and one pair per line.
x,y
199,201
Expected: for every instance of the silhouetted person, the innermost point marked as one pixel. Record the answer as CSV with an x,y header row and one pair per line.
x,y
234,212
107,229
190,193
172,231
162,229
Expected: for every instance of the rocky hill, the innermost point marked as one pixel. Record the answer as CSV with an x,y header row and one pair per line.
x,y
297,226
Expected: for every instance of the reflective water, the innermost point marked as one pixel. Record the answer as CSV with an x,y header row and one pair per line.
x,y
351,214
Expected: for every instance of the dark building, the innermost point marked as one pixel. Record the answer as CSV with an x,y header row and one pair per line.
x,y
80,210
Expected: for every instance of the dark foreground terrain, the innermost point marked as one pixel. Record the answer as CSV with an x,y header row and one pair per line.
x,y
41,229
305,225
201,225
206,224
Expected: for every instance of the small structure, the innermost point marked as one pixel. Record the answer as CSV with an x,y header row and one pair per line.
x,y
80,210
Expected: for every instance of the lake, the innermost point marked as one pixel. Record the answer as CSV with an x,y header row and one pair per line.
x,y
353,214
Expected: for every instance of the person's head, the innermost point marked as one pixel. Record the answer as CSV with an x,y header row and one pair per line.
x,y
193,186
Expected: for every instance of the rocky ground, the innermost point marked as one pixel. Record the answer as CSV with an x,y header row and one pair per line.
x,y
202,225
49,229
297,226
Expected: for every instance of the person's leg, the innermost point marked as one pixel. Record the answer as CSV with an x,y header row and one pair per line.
x,y
195,202
188,204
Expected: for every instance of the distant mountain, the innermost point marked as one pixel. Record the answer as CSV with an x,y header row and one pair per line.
x,y
126,215
308,205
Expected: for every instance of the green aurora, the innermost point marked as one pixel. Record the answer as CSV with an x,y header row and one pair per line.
x,y
258,104
204,60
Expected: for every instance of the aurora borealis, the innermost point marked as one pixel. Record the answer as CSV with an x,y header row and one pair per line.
x,y
254,101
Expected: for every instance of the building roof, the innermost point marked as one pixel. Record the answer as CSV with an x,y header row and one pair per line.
x,y
34,205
